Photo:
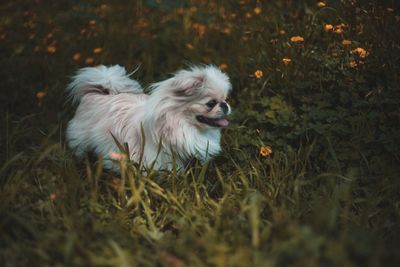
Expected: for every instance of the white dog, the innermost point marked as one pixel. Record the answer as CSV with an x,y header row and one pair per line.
x,y
181,119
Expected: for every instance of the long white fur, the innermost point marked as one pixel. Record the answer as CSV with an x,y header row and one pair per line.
x,y
163,115
113,78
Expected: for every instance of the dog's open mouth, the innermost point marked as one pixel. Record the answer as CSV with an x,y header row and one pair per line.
x,y
215,122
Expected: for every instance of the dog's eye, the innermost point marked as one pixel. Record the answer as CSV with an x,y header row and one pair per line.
x,y
211,103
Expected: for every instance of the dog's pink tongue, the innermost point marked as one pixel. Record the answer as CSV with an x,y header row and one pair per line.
x,y
222,122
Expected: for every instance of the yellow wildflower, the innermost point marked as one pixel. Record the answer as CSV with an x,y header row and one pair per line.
x,y
227,30
338,30
40,95
296,39
328,27
341,25
259,74
346,42
189,46
286,61
257,10
361,52
223,66
89,61
265,151
76,56
97,50
51,49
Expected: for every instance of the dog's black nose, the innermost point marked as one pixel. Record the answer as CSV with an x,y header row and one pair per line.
x,y
225,108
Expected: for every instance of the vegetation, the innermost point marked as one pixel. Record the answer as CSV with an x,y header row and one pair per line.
x,y
309,175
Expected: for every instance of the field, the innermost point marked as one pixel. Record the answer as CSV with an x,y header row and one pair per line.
x,y
309,174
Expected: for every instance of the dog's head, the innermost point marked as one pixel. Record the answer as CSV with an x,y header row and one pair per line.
x,y
197,95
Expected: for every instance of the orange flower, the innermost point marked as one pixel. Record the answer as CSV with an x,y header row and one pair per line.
x,y
89,61
76,56
321,4
341,25
92,22
189,46
259,74
339,28
282,32
265,151
296,39
257,10
223,66
227,30
361,52
328,27
40,95
286,61
51,49
97,50
346,42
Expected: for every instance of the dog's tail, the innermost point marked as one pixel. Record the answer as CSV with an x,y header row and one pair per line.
x,y
102,80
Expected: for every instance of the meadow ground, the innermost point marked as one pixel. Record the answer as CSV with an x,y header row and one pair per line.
x,y
309,174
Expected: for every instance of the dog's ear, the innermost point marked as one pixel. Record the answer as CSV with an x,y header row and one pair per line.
x,y
188,85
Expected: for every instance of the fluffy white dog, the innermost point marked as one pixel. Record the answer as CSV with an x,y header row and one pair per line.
x,y
181,119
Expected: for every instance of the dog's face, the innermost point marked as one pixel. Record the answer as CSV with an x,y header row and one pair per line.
x,y
210,111
201,95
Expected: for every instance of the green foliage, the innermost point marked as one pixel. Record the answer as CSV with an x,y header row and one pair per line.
x,y
328,195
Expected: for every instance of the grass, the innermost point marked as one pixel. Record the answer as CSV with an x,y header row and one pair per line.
x,y
325,105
